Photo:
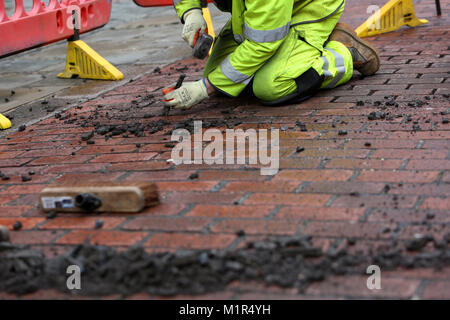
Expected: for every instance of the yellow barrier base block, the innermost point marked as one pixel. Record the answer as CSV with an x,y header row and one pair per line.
x,y
392,16
84,62
5,123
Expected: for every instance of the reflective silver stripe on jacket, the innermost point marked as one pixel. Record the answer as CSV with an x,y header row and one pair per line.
x,y
262,36
321,19
175,2
232,74
339,65
326,68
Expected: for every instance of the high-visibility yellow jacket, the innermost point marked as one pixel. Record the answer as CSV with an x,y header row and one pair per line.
x,y
260,26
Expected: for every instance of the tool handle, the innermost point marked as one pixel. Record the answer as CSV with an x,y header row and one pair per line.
x,y
177,86
180,81
198,35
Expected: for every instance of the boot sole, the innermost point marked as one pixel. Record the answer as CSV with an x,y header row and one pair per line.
x,y
352,34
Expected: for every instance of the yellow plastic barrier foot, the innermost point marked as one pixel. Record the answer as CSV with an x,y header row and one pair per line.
x,y
5,123
392,16
84,62
209,23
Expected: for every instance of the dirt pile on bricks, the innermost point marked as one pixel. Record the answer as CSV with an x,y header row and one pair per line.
x,y
143,116
285,262
390,110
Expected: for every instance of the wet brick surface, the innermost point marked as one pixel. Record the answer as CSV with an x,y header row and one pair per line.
x,y
387,179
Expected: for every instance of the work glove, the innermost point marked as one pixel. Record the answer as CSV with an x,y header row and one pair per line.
x,y
189,94
193,23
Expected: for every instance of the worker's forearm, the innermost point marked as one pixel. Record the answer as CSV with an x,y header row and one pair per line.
x,y
184,6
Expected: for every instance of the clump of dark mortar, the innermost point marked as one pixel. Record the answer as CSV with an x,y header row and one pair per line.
x,y
285,262
302,126
416,104
87,136
17,226
376,115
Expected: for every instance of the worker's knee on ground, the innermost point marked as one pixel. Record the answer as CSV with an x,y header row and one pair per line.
x,y
348,60
266,89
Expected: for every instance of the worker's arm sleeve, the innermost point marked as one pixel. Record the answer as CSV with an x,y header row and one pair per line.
x,y
266,25
183,6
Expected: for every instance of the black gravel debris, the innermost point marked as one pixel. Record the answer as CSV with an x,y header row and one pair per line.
x,y
26,178
418,243
17,226
416,104
86,136
193,176
98,224
240,233
376,115
390,103
102,130
52,215
302,126
288,262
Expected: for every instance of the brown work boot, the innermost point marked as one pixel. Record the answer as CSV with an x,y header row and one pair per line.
x,y
366,58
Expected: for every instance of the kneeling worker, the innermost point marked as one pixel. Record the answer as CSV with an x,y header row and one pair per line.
x,y
285,49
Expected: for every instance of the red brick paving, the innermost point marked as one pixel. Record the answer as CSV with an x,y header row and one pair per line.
x,y
334,189
355,286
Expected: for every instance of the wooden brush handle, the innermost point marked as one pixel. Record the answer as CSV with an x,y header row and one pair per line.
x,y
114,196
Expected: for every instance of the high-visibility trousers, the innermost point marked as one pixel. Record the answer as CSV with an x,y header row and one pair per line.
x,y
277,80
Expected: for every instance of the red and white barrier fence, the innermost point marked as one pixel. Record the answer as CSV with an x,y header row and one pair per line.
x,y
44,24
156,3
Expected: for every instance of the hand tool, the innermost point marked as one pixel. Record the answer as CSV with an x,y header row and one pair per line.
x,y
99,197
165,91
202,44
209,23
